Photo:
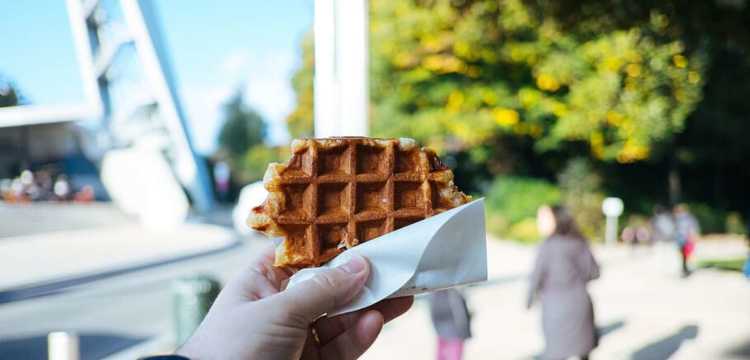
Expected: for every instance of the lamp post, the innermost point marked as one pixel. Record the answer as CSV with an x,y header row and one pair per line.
x,y
612,208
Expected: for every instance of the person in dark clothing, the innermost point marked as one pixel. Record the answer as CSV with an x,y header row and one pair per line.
x,y
452,323
563,267
687,232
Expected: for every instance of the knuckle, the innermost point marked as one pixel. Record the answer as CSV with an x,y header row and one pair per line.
x,y
328,280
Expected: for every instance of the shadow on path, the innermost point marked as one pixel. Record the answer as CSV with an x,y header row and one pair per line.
x,y
603,331
91,346
741,351
664,348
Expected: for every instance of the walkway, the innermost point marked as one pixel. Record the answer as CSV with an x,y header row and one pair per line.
x,y
644,309
53,255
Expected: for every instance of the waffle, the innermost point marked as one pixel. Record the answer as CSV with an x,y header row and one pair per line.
x,y
335,193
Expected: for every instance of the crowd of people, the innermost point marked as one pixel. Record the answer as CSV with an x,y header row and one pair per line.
x,y
677,226
43,185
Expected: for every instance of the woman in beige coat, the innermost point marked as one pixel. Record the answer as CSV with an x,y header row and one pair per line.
x,y
563,267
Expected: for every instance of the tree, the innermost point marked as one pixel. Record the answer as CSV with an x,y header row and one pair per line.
x,y
9,96
300,121
458,75
455,74
647,91
243,128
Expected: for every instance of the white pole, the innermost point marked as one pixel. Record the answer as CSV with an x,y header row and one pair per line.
x,y
612,208
611,230
325,87
341,68
62,346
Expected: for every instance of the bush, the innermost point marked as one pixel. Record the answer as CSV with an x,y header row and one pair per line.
x,y
512,203
255,161
711,220
582,195
525,231
735,224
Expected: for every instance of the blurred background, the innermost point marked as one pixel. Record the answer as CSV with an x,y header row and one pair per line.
x,y
133,134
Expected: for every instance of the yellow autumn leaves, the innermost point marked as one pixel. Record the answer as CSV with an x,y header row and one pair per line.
x,y
461,75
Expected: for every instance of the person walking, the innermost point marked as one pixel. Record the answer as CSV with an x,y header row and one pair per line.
x,y
563,267
452,323
687,232
662,225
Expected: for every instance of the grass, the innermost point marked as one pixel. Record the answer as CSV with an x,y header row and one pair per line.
x,y
723,264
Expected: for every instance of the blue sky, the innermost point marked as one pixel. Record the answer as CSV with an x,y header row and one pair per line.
x,y
214,46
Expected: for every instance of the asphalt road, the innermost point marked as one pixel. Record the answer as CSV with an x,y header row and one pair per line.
x,y
113,313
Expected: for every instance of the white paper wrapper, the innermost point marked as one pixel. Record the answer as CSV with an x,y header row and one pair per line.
x,y
443,251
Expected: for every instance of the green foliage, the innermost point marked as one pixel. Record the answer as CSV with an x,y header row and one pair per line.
x,y
512,203
582,195
735,264
735,224
256,160
300,121
520,87
716,220
243,128
711,219
8,94
456,74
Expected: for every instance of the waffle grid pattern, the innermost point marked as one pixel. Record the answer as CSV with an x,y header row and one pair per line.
x,y
341,193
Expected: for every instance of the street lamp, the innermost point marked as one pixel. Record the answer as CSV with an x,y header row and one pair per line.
x,y
612,208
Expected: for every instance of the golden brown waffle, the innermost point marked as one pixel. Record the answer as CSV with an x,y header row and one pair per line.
x,y
336,193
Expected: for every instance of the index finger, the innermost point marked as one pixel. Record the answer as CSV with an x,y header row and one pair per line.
x,y
328,329
260,278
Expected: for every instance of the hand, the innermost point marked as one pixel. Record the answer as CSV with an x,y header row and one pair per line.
x,y
253,318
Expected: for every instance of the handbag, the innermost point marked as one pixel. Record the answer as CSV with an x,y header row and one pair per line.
x,y
688,248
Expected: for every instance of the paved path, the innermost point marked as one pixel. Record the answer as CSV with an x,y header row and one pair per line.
x,y
645,309
110,314
45,247
62,255
42,217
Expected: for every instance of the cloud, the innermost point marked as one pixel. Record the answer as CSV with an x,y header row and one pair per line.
x,y
203,106
235,62
269,90
266,78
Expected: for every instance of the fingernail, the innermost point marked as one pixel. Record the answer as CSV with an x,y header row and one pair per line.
x,y
355,265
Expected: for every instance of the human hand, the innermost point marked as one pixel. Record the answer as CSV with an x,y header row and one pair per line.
x,y
254,318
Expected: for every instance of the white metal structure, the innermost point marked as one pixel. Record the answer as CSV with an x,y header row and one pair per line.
x,y
33,115
98,42
341,67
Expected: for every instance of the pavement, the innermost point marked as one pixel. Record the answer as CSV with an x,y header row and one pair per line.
x,y
644,309
50,246
120,317
46,217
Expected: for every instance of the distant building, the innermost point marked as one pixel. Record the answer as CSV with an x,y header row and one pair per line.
x,y
56,147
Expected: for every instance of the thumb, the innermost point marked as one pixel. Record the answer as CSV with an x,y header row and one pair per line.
x,y
325,291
